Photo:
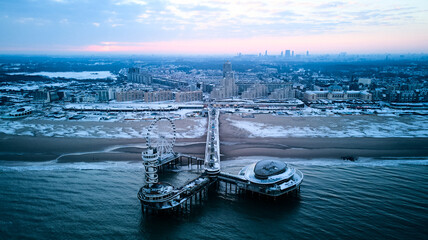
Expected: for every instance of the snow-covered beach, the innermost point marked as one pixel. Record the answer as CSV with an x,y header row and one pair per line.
x,y
263,126
186,128
265,135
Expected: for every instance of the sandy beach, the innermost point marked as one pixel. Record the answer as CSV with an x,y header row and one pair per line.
x,y
25,148
249,139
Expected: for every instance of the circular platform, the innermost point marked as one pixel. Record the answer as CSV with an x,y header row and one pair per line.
x,y
268,172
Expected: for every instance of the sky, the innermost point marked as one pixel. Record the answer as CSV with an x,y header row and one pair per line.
x,y
213,26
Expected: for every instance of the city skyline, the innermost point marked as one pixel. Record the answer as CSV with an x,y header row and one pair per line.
x,y
212,27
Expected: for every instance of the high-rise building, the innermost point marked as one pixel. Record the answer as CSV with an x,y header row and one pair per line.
x,y
287,53
256,91
229,82
227,68
307,53
265,52
292,53
138,76
282,53
227,87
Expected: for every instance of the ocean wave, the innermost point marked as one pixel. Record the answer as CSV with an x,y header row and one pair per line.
x,y
363,162
55,166
7,166
366,162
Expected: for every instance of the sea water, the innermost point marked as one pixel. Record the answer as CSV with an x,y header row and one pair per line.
x,y
366,199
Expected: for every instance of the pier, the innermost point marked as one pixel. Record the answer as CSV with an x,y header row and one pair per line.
x,y
267,178
212,149
175,160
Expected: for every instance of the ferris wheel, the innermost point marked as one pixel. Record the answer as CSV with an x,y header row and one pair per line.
x,y
161,135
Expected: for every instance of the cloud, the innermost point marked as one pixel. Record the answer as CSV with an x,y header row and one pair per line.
x,y
26,20
32,20
113,20
245,17
332,4
64,21
173,28
143,17
113,43
178,20
248,18
130,2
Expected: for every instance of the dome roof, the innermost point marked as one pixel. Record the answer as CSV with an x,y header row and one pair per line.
x,y
267,168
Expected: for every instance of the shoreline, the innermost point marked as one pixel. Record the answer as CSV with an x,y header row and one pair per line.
x,y
40,149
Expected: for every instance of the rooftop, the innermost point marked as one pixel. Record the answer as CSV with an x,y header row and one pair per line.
x,y
266,168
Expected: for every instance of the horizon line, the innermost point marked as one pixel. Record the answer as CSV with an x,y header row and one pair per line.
x,y
237,54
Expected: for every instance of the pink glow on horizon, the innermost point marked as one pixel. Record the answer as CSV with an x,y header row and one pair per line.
x,y
317,44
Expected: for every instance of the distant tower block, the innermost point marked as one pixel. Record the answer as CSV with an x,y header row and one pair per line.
x,y
227,68
265,52
282,53
150,161
307,53
292,53
287,53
